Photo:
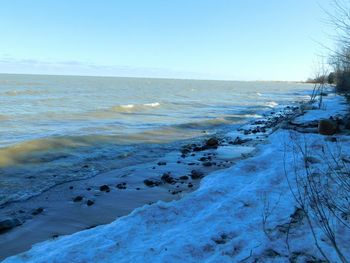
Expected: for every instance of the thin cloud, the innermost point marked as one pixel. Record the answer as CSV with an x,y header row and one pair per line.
x,y
10,64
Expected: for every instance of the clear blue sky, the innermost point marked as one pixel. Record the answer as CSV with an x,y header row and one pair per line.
x,y
212,39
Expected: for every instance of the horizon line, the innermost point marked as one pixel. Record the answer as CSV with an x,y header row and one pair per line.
x,y
160,78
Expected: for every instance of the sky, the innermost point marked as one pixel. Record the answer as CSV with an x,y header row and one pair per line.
x,y
196,39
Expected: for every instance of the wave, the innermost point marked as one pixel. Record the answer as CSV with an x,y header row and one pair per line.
x,y
23,92
41,150
271,104
129,108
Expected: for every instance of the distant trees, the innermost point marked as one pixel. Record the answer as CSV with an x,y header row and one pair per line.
x,y
322,79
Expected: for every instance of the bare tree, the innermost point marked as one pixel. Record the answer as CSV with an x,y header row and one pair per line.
x,y
339,18
323,195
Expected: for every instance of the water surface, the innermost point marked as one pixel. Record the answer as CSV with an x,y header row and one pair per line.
x,y
60,128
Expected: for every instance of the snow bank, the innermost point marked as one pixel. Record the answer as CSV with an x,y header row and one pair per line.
x,y
333,105
219,222
233,151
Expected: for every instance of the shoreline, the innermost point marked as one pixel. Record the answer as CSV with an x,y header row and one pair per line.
x,y
221,221
74,206
64,208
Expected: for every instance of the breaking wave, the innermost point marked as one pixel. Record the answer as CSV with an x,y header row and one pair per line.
x,y
135,107
271,104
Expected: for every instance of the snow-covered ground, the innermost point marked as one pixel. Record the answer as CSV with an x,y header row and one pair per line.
x,y
222,221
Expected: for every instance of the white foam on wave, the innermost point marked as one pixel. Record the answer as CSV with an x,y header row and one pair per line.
x,y
153,104
127,106
271,104
135,107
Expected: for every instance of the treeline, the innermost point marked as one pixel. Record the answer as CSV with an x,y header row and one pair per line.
x,y
328,78
339,58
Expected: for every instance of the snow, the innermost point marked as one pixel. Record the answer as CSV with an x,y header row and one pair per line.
x,y
219,222
332,106
233,152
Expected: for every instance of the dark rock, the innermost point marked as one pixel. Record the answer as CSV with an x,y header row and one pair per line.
x,y
161,163
327,127
151,183
105,188
8,224
138,188
186,149
184,177
190,185
212,142
167,178
78,198
148,182
196,174
90,202
89,188
71,187
191,163
239,141
37,211
198,149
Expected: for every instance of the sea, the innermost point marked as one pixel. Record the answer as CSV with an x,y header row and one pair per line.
x,y
55,129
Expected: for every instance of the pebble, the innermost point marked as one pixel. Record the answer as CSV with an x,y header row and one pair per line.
x,y
90,202
105,188
8,224
196,174
151,183
78,198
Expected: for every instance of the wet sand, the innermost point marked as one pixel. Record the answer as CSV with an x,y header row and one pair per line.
x,y
67,208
